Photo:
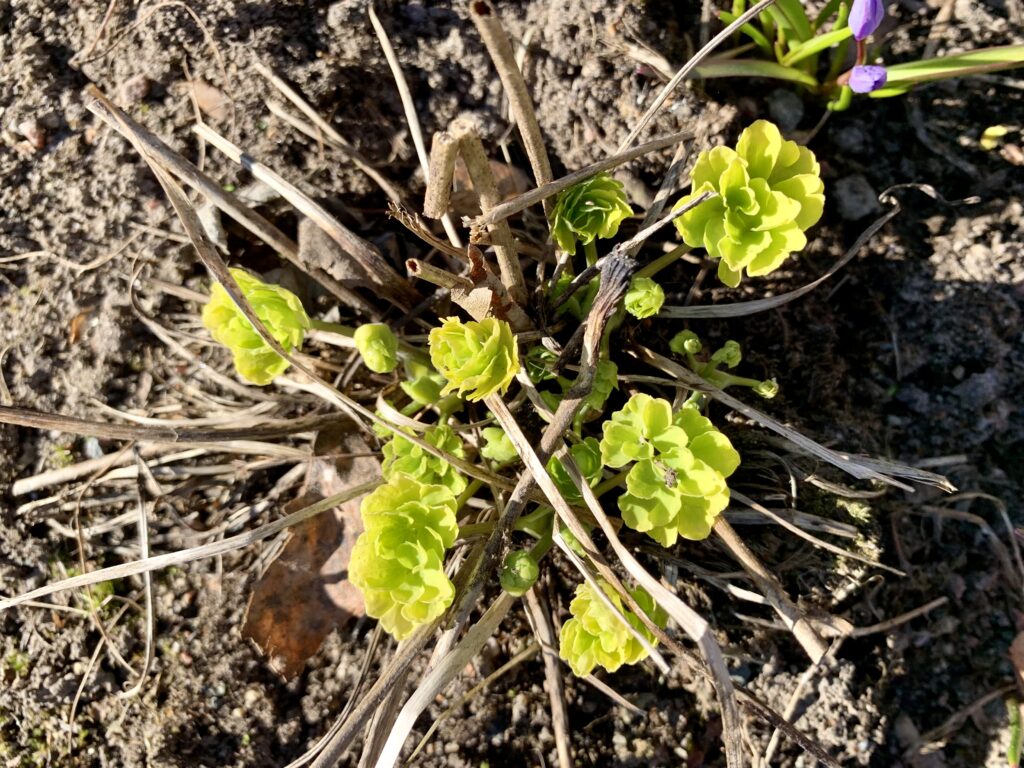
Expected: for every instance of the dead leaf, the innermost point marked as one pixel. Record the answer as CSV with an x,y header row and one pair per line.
x,y
211,100
305,593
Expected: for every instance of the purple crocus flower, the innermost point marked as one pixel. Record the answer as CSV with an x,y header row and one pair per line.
x,y
865,16
867,78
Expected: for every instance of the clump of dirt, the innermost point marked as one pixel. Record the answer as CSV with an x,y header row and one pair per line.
x,y
913,353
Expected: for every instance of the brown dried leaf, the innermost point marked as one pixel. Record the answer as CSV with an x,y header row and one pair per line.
x,y
305,593
211,100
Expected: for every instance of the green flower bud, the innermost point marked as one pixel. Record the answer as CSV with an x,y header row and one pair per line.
x,y
685,343
423,385
769,193
402,457
377,346
477,358
497,446
587,455
398,560
595,636
644,298
519,572
729,355
591,209
767,389
280,311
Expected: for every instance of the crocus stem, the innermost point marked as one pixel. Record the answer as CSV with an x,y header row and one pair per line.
x,y
665,260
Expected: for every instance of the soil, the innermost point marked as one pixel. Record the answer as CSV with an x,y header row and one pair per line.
x,y
912,353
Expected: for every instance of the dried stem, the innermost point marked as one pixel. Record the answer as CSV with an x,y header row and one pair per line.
x,y
479,168
540,615
489,26
444,151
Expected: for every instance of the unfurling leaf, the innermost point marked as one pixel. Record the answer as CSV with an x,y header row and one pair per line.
x,y
377,346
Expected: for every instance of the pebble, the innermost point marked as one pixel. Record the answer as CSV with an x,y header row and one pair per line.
x,y
856,197
33,130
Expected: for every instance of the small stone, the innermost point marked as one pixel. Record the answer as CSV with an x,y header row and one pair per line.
x,y
786,109
135,89
33,130
856,197
520,708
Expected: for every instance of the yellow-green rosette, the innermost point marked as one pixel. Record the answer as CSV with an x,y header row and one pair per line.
x,y
595,636
676,485
398,560
280,311
477,358
769,193
644,298
591,209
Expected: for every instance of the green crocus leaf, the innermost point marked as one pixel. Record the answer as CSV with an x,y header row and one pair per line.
x,y
595,636
769,193
591,209
280,311
398,560
377,346
644,298
477,358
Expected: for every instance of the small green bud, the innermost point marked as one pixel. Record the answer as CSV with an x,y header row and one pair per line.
x,y
497,446
587,455
378,347
644,298
729,355
477,358
591,209
769,193
685,342
280,311
767,389
519,572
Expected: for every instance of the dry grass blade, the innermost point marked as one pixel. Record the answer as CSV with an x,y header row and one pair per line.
x,y
378,272
189,555
540,617
212,191
812,539
544,191
444,151
410,113
688,67
795,621
446,670
860,467
334,138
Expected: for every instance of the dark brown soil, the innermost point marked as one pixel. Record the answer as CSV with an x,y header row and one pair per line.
x,y
913,353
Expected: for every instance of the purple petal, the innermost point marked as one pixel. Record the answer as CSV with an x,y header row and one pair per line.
x,y
865,16
867,78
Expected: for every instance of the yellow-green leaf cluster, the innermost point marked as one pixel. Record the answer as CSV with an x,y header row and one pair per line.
x,y
591,209
676,484
477,358
595,636
398,560
279,310
769,192
404,457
